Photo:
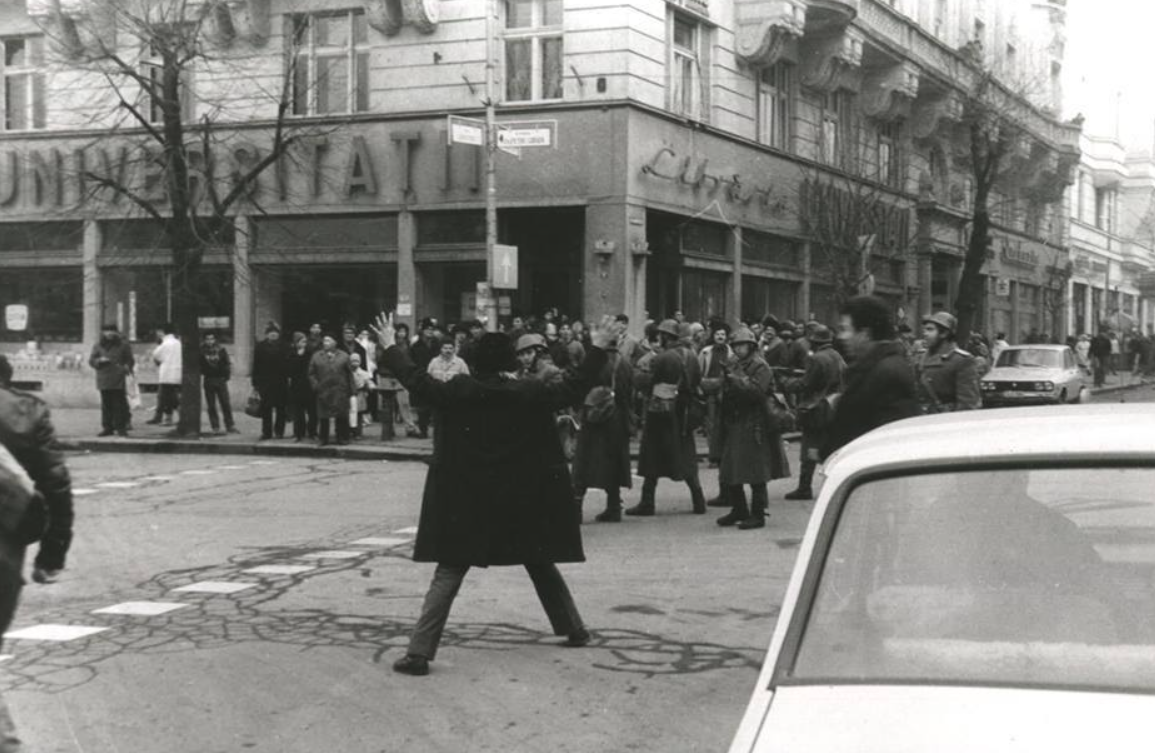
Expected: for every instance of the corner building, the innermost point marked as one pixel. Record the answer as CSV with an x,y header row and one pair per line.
x,y
699,148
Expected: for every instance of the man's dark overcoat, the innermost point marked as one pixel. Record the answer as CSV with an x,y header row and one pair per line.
x,y
498,491
879,388
602,457
667,448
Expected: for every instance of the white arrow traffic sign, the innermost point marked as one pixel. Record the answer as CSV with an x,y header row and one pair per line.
x,y
504,267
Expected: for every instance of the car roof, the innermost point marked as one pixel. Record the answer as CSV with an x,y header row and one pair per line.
x,y
1111,430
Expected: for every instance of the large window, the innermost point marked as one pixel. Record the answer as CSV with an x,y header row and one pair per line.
x,y
686,67
775,105
889,151
153,70
23,82
839,130
329,62
533,50
54,299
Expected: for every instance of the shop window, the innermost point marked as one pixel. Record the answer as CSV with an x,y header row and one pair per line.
x,y
704,295
23,81
776,105
704,238
41,236
533,50
686,68
762,296
152,68
764,248
438,228
329,62
140,299
150,235
54,297
326,232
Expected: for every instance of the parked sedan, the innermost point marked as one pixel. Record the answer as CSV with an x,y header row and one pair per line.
x,y
972,582
1034,375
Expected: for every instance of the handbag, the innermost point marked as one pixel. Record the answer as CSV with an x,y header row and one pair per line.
x,y
132,392
253,404
663,399
600,405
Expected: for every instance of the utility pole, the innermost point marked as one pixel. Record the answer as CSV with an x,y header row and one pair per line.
x,y
490,158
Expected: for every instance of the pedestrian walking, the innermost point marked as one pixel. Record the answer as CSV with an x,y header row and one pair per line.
x,y
947,375
167,357
331,377
216,368
668,448
302,400
27,433
270,378
499,491
817,389
602,453
879,384
753,453
113,361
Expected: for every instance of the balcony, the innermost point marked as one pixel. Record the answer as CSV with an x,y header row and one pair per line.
x,y
1136,259
765,27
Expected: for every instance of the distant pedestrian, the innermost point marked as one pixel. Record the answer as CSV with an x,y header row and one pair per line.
x,y
216,369
499,491
1100,351
1000,344
331,377
167,357
359,403
447,364
422,352
270,378
302,399
113,361
879,384
713,360
817,389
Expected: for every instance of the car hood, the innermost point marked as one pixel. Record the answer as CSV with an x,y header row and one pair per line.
x,y
1013,374
934,719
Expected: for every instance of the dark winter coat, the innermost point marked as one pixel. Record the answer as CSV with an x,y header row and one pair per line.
x,y
879,388
300,390
667,448
498,491
602,457
215,362
823,377
110,374
26,430
331,377
751,453
270,375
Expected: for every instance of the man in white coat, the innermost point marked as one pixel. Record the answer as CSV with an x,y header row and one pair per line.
x,y
167,357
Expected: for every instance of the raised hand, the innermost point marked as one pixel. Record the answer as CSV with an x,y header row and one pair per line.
x,y
383,328
606,333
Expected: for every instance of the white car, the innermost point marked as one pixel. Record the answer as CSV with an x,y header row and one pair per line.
x,y
1034,375
977,581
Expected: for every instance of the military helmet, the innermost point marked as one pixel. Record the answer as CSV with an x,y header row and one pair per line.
x,y
943,319
821,335
669,327
525,342
743,335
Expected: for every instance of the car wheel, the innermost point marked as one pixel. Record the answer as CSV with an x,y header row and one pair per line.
x,y
1084,395
1063,396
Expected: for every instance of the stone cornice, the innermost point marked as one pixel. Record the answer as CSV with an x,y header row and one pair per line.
x,y
764,28
78,28
888,92
827,59
931,113
388,16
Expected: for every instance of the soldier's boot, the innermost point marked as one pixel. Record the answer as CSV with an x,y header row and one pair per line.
x,y
721,500
645,507
738,510
697,497
760,500
805,478
613,511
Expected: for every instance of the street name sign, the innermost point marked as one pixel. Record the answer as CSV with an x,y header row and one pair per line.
x,y
466,131
522,134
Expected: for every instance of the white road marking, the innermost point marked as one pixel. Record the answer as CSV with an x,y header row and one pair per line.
x,y
279,569
117,485
6,657
158,478
197,472
332,554
231,467
141,608
215,587
265,462
379,542
54,632
409,530
83,492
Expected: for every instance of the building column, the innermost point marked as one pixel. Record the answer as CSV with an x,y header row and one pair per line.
x,y
925,287
1092,316
804,298
90,248
1072,325
1013,335
734,293
615,238
406,270
243,331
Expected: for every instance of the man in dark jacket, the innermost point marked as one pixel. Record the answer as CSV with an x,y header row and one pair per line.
x,y
1100,357
113,362
822,380
422,352
26,431
215,371
498,490
879,384
270,378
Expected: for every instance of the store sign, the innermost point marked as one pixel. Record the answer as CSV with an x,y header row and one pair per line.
x,y
1017,255
16,317
212,322
1003,287
692,173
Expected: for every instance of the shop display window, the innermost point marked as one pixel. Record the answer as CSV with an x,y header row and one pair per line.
x,y
52,298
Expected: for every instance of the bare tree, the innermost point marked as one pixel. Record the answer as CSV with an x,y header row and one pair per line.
x,y
144,53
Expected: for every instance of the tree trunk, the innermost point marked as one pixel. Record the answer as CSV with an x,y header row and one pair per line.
x,y
184,307
970,289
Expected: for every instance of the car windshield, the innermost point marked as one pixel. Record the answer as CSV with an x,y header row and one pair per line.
x,y
1042,577
1020,358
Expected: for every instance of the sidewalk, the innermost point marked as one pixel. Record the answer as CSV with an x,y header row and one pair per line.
x,y
78,427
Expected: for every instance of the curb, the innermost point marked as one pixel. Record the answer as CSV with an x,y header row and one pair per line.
x,y
198,447
1122,387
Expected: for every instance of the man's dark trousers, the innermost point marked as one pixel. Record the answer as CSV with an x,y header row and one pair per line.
x,y
114,410
217,389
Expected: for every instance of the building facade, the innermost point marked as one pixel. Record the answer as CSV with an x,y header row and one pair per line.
x,y
707,157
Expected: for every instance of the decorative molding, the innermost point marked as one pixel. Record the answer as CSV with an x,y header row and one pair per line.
x,y
887,93
78,28
764,28
386,16
826,60
423,15
252,19
930,114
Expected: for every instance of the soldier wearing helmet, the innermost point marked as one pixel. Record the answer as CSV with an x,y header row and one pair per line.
x,y
533,361
822,379
947,375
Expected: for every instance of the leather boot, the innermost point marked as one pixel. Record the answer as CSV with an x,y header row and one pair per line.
x,y
698,499
738,511
645,507
613,511
759,500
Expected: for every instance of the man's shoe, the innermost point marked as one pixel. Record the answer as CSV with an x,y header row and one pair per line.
x,y
718,501
233,430
264,437
754,521
412,664
732,518
122,434
799,494
641,510
218,432
609,515
577,639
105,433
153,421
41,575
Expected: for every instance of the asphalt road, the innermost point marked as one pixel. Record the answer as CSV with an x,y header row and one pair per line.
x,y
1144,394
681,612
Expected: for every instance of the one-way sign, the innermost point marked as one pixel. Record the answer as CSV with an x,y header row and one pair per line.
x,y
503,267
